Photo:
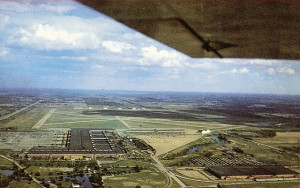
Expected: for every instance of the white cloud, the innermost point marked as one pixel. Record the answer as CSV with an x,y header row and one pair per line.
x,y
244,70
80,58
285,71
130,36
97,66
152,56
117,47
56,8
261,62
26,6
152,53
233,71
3,52
203,65
270,71
4,21
45,36
282,71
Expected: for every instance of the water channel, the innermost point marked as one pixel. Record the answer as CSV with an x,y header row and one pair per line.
x,y
215,138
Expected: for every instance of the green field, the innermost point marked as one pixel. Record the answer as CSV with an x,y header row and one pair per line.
x,y
25,120
265,154
5,164
113,124
23,183
145,178
44,171
161,123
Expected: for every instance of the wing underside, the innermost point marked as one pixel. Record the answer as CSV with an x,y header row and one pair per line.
x,y
214,28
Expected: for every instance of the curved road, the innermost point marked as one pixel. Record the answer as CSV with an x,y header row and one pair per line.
x,y
164,170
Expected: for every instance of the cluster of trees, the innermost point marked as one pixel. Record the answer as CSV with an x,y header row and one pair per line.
x,y
96,180
266,133
18,175
238,150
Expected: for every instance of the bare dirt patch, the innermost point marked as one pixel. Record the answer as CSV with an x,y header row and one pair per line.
x,y
163,143
192,174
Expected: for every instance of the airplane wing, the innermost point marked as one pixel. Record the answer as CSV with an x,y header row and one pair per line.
x,y
214,28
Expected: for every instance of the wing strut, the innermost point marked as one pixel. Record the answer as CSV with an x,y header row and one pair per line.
x,y
205,45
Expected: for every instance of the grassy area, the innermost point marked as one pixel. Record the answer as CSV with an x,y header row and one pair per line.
x,y
5,164
115,124
23,183
163,123
265,154
282,139
72,115
179,159
183,149
65,184
44,171
197,183
24,121
175,185
55,163
179,155
145,178
129,163
153,124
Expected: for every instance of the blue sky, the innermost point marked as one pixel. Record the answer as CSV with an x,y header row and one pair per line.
x,y
63,44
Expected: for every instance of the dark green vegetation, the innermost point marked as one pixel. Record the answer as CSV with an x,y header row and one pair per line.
x,y
255,110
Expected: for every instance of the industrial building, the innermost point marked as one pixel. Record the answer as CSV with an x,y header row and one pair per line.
x,y
251,172
82,144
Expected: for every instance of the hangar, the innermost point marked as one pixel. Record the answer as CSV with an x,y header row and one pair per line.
x,y
82,144
251,172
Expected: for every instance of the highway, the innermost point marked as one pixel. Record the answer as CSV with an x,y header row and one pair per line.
x,y
164,170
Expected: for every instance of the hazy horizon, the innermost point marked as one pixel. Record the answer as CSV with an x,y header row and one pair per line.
x,y
145,91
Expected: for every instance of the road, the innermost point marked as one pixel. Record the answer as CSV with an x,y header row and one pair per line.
x,y
18,111
43,119
164,170
19,166
123,122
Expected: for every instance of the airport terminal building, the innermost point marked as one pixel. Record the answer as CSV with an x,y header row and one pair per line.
x,y
82,144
